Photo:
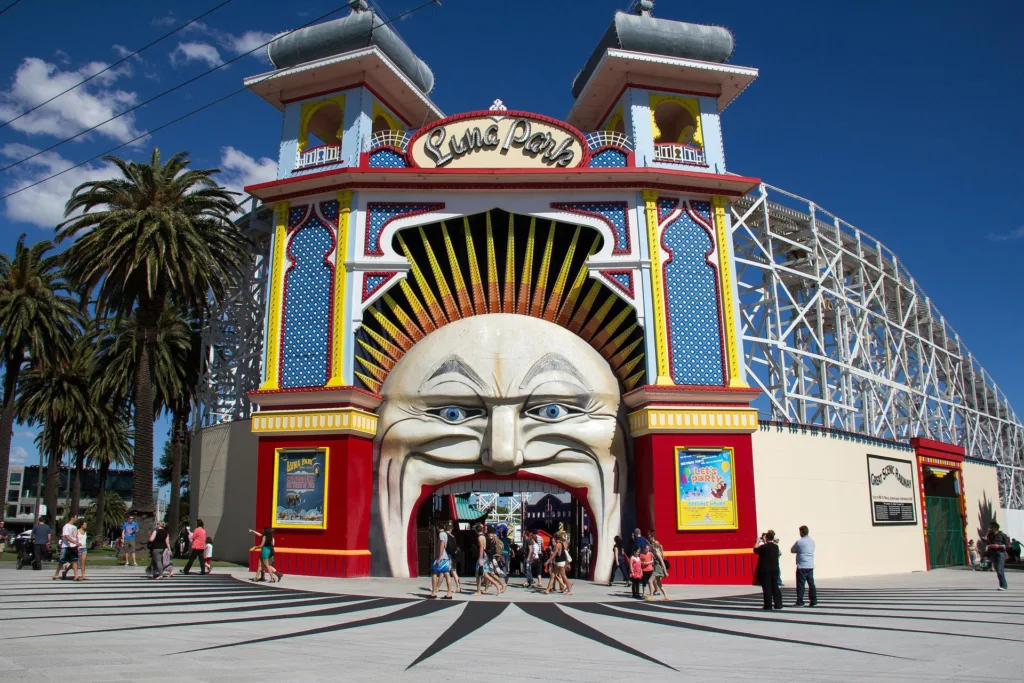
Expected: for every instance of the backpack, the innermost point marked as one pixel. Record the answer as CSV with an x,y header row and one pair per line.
x,y
451,547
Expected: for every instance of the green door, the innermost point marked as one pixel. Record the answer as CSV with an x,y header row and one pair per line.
x,y
945,532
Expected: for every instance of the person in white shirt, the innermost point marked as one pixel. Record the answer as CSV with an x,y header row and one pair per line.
x,y
83,550
69,552
209,553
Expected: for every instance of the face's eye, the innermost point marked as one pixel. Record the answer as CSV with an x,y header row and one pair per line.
x,y
455,414
552,412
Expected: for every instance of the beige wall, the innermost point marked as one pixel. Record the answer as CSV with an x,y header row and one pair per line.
x,y
822,482
981,496
223,476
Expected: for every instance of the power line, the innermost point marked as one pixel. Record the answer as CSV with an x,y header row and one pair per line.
x,y
188,114
9,6
168,91
120,61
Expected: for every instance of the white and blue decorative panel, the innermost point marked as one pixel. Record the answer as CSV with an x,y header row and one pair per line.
x,y
623,279
387,158
609,158
379,214
373,281
308,301
694,322
614,214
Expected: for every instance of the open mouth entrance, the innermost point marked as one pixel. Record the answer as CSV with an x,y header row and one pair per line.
x,y
509,506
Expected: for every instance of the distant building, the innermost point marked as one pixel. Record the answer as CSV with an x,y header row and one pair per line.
x,y
21,491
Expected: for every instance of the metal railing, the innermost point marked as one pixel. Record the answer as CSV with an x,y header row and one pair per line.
x,y
399,139
679,154
607,138
318,156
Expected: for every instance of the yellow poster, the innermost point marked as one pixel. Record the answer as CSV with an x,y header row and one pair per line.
x,y
705,489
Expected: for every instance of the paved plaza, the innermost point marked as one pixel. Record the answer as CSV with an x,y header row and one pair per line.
x,y
941,625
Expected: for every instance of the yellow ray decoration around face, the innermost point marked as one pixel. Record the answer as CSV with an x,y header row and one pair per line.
x,y
454,287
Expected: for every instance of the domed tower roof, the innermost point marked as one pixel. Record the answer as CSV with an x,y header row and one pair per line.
x,y
645,33
360,29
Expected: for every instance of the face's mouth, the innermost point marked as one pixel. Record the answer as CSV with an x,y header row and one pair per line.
x,y
404,483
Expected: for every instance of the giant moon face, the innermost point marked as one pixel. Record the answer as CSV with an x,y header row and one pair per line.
x,y
502,394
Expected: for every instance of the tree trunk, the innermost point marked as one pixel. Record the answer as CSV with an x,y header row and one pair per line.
x,y
101,499
179,432
142,479
12,368
51,491
76,488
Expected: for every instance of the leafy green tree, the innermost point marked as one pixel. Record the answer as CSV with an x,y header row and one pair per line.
x,y
38,318
110,511
159,232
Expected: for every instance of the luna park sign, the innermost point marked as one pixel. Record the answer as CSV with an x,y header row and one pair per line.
x,y
510,140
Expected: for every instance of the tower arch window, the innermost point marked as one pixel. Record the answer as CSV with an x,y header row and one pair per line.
x,y
675,125
322,122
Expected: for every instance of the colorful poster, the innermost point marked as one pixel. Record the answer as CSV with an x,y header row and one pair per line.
x,y
706,489
300,489
891,483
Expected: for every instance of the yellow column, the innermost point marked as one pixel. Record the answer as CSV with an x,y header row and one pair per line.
x,y
275,298
732,351
657,289
340,304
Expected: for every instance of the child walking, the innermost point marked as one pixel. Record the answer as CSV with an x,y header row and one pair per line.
x,y
636,572
209,554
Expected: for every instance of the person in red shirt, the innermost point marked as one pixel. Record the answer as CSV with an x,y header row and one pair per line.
x,y
647,567
636,572
198,549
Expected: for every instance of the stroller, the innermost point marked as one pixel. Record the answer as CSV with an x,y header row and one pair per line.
x,y
23,547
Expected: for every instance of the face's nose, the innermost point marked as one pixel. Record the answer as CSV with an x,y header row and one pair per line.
x,y
502,452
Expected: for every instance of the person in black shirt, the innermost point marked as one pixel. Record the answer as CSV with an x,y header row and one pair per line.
x,y
996,544
768,571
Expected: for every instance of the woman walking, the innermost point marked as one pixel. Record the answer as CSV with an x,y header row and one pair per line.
x,y
266,550
558,559
619,562
158,543
660,567
83,550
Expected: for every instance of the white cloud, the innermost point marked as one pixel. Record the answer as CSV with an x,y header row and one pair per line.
x,y
62,57
1007,236
240,169
235,43
121,50
37,80
166,20
196,52
27,434
43,205
19,456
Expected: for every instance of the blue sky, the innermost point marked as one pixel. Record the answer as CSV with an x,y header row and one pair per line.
x,y
902,118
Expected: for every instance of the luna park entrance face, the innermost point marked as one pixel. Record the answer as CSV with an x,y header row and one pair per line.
x,y
510,508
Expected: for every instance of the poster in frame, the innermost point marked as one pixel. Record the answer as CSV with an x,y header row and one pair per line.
x,y
300,488
705,489
893,496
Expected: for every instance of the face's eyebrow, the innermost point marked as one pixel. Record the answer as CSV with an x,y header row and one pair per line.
x,y
452,364
553,362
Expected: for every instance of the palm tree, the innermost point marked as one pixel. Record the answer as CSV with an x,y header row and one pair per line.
x,y
158,232
110,445
38,320
174,366
54,395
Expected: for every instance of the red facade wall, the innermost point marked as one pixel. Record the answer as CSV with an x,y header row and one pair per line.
x,y
655,477
349,487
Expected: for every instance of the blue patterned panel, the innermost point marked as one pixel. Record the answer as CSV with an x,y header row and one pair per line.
x,y
612,213
695,338
296,214
665,207
608,158
307,307
329,210
382,213
703,209
387,158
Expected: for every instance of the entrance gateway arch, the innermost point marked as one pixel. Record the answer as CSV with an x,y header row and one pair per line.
x,y
502,296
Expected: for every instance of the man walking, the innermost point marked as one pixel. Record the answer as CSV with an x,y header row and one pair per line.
x,y
804,549
530,555
996,544
128,531
41,536
198,549
639,542
69,553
